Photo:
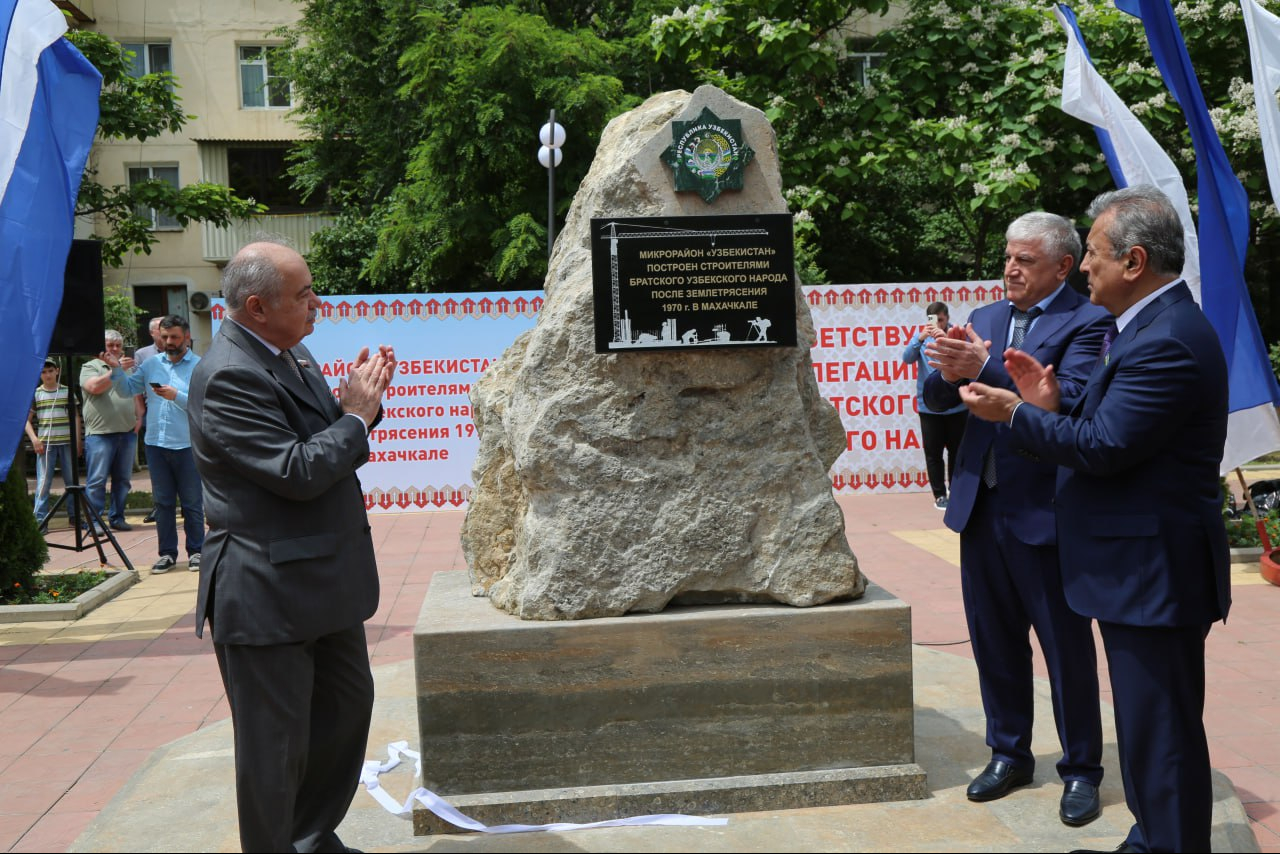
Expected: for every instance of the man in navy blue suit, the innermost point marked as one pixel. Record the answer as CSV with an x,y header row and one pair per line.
x,y
1002,506
1141,537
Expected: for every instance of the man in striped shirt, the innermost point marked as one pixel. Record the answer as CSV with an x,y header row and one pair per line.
x,y
50,436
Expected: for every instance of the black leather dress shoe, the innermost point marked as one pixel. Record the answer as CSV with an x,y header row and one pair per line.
x,y
1124,846
997,780
1080,803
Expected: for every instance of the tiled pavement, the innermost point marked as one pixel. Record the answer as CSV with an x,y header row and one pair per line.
x,y
83,705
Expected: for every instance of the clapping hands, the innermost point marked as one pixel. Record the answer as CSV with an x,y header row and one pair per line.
x,y
360,392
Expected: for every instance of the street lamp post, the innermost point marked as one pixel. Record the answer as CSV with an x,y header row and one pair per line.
x,y
551,135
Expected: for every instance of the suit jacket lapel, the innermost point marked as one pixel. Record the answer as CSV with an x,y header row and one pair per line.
x,y
316,383
1149,313
1103,370
273,365
1000,331
1051,321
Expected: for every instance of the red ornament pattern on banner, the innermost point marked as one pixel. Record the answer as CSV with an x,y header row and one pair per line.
x,y
418,498
379,310
853,481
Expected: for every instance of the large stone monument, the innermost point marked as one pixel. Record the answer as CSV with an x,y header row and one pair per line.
x,y
625,482
610,483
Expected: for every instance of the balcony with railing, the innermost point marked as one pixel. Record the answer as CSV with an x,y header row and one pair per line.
x,y
221,243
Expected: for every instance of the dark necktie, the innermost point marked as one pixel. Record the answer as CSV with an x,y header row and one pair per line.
x,y
1021,323
1112,331
292,363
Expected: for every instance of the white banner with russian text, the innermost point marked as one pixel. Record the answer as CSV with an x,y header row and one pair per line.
x,y
422,451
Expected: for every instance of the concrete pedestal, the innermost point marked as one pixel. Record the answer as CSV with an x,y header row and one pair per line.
x,y
704,710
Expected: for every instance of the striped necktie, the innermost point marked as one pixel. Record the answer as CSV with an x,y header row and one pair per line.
x,y
288,359
1021,323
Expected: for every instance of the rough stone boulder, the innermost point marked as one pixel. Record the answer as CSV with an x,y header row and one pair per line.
x,y
626,482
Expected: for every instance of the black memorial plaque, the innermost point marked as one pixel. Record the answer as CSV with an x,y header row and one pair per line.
x,y
685,282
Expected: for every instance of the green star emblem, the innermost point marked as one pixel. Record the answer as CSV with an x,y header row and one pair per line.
x,y
707,155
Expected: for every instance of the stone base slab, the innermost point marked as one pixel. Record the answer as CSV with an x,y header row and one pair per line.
x,y
766,792
706,709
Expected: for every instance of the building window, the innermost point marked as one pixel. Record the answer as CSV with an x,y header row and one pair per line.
x,y
260,172
169,174
862,65
148,58
261,85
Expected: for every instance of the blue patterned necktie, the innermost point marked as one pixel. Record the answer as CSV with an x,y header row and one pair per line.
x,y
1021,323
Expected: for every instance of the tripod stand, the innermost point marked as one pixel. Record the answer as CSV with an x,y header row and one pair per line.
x,y
74,493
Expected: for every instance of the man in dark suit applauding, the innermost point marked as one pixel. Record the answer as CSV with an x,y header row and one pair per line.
x,y
1002,506
1141,536
288,577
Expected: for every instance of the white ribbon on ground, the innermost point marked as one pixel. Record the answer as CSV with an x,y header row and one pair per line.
x,y
396,750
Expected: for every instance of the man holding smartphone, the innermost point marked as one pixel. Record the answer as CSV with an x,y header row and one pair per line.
x,y
166,379
940,430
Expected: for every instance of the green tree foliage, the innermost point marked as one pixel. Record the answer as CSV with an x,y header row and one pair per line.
x,y
486,78
343,57
22,550
914,175
119,313
140,108
393,90
424,123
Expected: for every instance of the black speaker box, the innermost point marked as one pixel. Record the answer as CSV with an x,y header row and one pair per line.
x,y
81,322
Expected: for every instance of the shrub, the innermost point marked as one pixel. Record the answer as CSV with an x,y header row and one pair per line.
x,y
22,550
1243,532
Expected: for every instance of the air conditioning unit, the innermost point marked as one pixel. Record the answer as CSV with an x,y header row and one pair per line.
x,y
199,300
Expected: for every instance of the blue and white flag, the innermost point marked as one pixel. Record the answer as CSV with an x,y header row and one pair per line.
x,y
1264,55
48,116
1134,156
1252,429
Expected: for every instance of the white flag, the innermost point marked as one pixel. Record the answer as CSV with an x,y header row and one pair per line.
x,y
1264,54
1089,98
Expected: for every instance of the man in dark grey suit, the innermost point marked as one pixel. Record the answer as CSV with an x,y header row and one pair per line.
x,y
288,577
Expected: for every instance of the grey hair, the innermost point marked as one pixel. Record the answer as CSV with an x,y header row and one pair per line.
x,y
1055,233
112,335
1143,216
252,273
154,323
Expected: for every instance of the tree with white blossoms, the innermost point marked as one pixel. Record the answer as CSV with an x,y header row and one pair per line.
x,y
914,175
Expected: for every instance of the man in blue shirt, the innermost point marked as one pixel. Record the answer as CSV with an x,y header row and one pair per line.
x,y
165,379
939,430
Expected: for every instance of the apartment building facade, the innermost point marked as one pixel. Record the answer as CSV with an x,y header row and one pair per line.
x,y
221,56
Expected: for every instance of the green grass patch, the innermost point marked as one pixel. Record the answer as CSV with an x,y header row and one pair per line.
x,y
52,589
138,500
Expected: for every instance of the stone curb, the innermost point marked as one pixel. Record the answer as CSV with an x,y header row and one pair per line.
x,y
1246,554
116,583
